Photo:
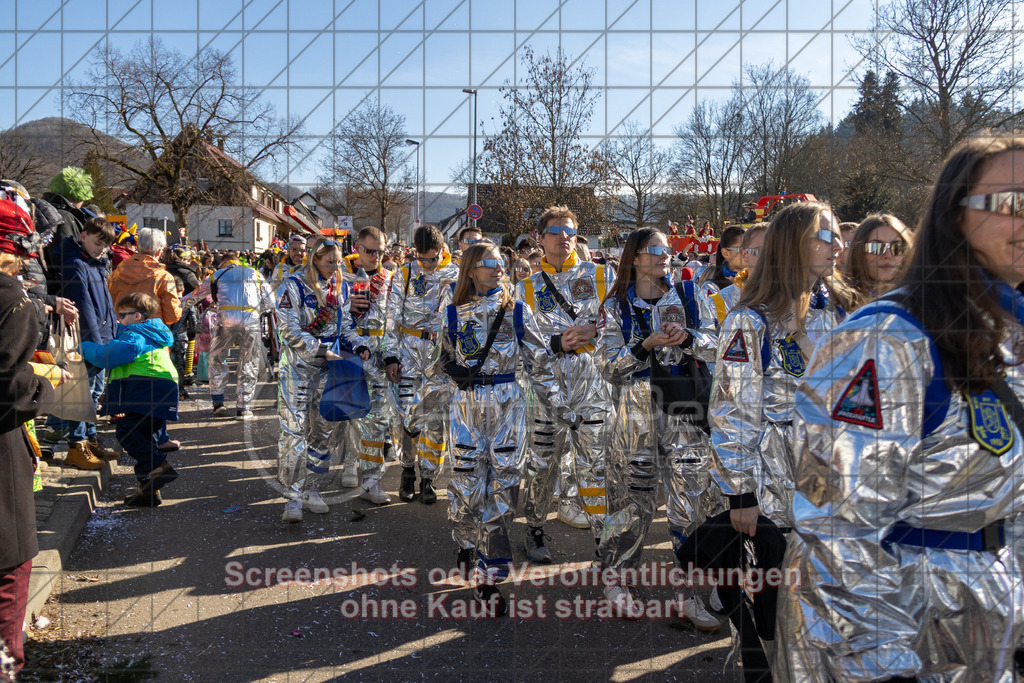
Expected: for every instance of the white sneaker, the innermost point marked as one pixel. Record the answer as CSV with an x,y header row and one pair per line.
x,y
246,414
375,494
292,510
694,610
312,501
350,476
715,602
623,602
569,513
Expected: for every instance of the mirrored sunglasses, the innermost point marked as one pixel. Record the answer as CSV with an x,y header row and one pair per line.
x,y
490,263
371,252
656,250
426,259
878,248
829,237
559,229
753,251
1009,203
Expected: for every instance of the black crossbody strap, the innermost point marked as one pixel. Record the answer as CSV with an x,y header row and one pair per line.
x,y
1010,401
491,334
687,320
566,306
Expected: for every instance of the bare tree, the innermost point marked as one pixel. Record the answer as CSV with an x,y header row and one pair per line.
x,y
537,157
952,58
173,108
638,169
710,157
19,159
778,114
368,163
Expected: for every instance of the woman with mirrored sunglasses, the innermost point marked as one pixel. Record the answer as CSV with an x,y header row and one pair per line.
x,y
488,433
646,318
520,271
877,250
763,347
907,556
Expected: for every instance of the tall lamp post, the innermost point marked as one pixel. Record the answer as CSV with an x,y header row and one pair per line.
x,y
472,91
417,145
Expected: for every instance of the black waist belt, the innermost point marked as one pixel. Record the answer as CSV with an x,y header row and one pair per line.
x,y
990,538
491,380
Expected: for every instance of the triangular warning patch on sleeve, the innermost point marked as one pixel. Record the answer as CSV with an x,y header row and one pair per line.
x,y
286,300
860,403
737,350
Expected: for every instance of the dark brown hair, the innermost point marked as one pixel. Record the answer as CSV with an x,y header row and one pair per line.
x,y
855,269
374,232
732,238
946,287
100,226
625,274
427,237
141,302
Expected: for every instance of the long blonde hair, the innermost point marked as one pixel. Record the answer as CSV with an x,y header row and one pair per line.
x,y
465,291
782,281
311,276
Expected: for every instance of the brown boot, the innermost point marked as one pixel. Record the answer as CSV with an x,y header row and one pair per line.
x,y
97,449
81,457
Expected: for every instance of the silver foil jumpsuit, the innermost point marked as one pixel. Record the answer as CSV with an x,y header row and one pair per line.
x,y
374,431
578,379
306,331
759,366
902,489
488,422
412,322
242,295
647,445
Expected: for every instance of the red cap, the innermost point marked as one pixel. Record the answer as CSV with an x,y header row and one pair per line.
x,y
17,236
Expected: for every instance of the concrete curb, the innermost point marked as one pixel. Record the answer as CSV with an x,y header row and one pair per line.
x,y
58,536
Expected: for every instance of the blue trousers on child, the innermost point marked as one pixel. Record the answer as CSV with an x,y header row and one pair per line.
x,y
136,433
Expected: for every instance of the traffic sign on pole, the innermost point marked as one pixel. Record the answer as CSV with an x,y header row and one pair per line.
x,y
474,212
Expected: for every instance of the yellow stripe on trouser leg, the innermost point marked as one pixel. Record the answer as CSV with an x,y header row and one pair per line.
x,y
429,452
371,458
593,493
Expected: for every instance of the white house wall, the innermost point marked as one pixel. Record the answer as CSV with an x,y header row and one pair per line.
x,y
248,233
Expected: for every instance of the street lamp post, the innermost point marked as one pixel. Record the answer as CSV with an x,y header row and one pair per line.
x,y
417,145
472,91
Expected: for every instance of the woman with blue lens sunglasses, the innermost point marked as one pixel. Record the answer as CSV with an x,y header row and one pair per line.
x,y
484,335
648,318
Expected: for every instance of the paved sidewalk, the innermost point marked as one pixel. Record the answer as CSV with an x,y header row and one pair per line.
x,y
63,507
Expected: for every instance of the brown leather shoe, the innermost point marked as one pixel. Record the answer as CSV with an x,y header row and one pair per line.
x,y
81,457
100,452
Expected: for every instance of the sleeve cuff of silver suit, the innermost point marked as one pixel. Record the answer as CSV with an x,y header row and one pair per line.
x,y
321,351
744,500
556,343
389,360
639,352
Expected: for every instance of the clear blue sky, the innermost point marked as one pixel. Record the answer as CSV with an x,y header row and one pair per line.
x,y
321,58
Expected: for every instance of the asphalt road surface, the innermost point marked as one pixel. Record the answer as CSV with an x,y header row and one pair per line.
x,y
194,588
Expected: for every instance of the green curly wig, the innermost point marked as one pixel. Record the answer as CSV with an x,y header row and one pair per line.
x,y
73,183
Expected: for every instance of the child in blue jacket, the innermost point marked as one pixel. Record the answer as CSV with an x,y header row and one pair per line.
x,y
143,385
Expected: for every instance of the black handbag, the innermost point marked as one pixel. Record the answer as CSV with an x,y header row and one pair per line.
x,y
683,389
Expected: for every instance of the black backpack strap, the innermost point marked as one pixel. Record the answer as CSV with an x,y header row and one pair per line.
x,y
491,334
1010,401
566,306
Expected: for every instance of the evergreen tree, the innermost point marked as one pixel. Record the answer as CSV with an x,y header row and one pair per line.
x,y
101,196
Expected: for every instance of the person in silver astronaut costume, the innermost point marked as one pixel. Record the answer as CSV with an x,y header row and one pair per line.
x,y
372,433
572,337
909,490
763,347
291,262
308,309
412,314
725,300
488,412
647,445
241,295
